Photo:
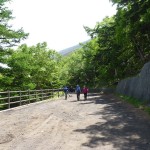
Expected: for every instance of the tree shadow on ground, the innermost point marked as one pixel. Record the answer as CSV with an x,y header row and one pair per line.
x,y
121,127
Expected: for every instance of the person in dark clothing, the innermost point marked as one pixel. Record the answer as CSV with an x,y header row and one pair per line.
x,y
71,89
66,92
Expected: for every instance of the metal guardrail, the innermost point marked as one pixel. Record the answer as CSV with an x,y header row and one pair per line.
x,y
9,99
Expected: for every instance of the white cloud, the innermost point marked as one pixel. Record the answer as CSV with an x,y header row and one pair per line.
x,y
59,22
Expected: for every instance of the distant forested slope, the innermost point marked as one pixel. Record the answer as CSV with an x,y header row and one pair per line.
x,y
71,49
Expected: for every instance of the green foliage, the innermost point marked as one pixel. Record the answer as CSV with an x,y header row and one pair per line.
x,y
137,103
147,109
34,67
133,101
8,36
71,68
118,48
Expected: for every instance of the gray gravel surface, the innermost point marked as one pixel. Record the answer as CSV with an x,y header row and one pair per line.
x,y
99,123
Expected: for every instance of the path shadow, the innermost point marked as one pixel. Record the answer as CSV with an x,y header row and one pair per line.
x,y
121,127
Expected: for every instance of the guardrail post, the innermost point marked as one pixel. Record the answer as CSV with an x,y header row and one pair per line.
x,y
8,99
52,93
29,95
48,93
58,92
20,97
42,93
36,95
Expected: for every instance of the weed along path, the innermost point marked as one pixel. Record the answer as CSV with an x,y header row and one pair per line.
x,y
99,123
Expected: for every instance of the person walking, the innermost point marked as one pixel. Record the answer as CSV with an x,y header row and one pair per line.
x,y
85,90
72,89
78,91
66,92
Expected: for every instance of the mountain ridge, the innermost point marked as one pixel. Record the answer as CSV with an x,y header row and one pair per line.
x,y
71,49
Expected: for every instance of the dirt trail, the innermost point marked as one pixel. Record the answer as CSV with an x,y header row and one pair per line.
x,y
99,123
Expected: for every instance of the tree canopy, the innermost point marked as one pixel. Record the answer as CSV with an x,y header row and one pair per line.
x,y
119,45
118,49
8,36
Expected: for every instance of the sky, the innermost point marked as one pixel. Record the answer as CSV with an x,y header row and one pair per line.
x,y
58,22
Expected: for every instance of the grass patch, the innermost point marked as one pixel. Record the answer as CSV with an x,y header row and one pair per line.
x,y
143,105
3,107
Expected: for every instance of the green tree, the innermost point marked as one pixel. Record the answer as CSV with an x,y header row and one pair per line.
x,y
34,67
8,36
133,29
105,59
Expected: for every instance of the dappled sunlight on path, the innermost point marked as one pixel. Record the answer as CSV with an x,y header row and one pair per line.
x,y
100,123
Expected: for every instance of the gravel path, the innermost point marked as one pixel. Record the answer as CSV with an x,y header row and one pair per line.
x,y
99,123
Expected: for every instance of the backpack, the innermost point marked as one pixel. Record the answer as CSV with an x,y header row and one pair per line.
x,y
65,89
78,89
85,90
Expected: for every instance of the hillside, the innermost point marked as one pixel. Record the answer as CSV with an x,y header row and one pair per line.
x,y
66,51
